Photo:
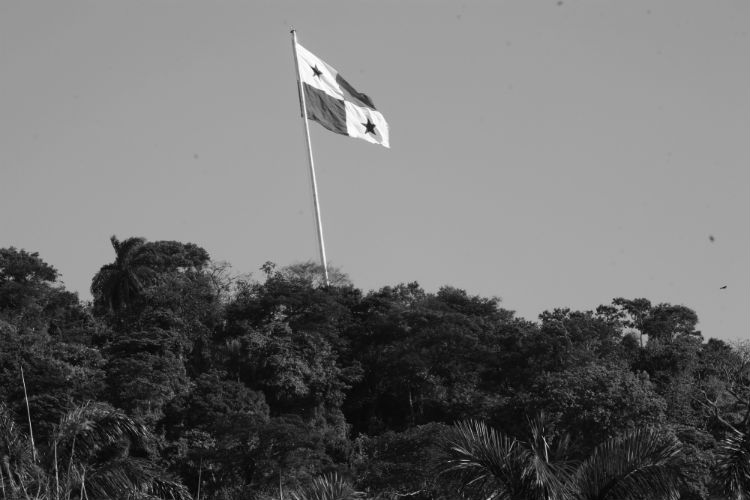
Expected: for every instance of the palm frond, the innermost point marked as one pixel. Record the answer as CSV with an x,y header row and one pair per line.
x,y
639,464
135,476
93,426
488,462
327,487
126,477
128,247
732,470
549,471
129,274
106,481
18,465
169,490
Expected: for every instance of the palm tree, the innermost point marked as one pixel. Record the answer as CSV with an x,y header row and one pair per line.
x,y
327,487
17,465
732,470
640,464
495,466
643,463
117,283
88,456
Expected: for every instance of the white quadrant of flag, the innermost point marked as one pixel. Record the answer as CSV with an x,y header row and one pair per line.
x,y
335,104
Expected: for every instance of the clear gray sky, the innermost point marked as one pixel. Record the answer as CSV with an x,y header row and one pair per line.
x,y
552,153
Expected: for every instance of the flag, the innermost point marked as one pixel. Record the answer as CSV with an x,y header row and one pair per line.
x,y
335,104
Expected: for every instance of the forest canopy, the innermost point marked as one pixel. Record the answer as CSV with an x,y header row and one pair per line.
x,y
182,379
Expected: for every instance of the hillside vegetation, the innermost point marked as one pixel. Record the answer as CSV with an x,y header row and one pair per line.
x,y
183,380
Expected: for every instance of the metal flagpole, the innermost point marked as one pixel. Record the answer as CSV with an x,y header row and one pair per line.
x,y
303,105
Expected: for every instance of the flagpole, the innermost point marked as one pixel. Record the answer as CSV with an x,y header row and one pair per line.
x,y
303,105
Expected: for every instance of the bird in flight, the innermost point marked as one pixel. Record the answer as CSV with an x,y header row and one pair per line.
x,y
723,287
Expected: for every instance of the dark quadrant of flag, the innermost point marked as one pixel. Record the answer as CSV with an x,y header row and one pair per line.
x,y
335,104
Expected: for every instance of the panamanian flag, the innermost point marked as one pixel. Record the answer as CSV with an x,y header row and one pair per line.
x,y
333,103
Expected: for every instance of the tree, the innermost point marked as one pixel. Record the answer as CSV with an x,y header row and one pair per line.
x,y
495,466
25,288
116,284
402,464
723,393
58,375
289,452
138,265
326,487
185,304
594,402
19,467
173,256
581,337
292,294
298,371
427,357
663,322
312,273
145,371
95,452
31,299
45,330
732,468
723,387
214,429
643,463
667,322
284,337
632,313
19,266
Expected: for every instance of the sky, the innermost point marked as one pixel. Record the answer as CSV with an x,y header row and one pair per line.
x,y
549,153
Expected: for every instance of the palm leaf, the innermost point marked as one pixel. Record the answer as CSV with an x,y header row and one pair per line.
x,y
642,464
19,468
93,426
327,487
97,439
732,470
136,478
549,471
127,248
168,490
495,466
129,274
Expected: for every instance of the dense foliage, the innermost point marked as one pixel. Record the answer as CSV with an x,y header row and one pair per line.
x,y
182,380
